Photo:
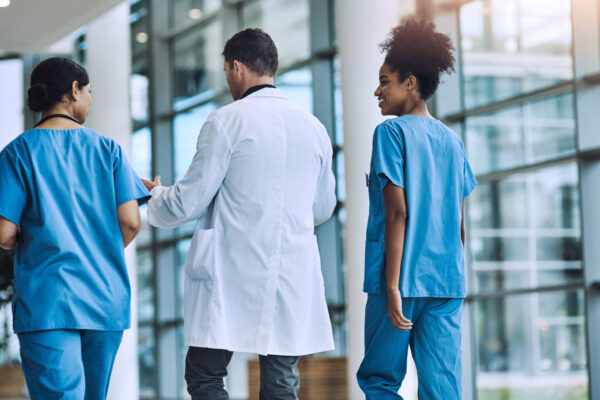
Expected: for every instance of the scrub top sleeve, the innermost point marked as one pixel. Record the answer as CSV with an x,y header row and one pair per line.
x,y
128,185
469,179
13,191
388,155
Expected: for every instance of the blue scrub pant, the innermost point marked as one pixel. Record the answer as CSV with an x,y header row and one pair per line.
x,y
68,364
434,341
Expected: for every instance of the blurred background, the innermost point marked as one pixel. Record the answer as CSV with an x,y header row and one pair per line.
x,y
525,98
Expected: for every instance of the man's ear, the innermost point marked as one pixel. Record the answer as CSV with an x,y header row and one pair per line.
x,y
239,69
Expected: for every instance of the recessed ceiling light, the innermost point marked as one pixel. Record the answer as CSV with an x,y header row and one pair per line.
x,y
141,37
4,3
195,13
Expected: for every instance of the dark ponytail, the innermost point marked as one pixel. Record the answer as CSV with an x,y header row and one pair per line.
x,y
51,79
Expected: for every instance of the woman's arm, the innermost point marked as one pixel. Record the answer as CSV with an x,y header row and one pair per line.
x,y
462,223
396,215
8,234
128,215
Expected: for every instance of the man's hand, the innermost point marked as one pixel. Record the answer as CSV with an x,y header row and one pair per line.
x,y
151,185
395,311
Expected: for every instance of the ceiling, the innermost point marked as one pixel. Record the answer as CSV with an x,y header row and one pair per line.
x,y
32,26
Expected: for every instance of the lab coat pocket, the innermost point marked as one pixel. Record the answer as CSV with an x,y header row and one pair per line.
x,y
200,261
374,266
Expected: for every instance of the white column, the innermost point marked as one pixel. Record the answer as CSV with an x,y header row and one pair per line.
x,y
108,61
361,26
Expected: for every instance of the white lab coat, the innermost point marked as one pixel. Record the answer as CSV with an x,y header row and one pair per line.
x,y
259,183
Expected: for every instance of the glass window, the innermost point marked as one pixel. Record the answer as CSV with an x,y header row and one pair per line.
x,y
139,87
147,362
198,65
185,11
338,106
297,86
286,21
522,134
526,230
187,128
523,340
141,161
183,247
145,286
514,46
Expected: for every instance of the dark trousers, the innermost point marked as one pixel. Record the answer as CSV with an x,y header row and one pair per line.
x,y
206,368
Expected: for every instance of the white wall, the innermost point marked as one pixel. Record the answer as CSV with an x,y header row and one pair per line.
x,y
108,61
11,100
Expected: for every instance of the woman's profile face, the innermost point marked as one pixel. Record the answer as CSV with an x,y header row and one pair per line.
x,y
391,93
83,103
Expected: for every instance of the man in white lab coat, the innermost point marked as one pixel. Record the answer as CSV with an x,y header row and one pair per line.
x,y
259,183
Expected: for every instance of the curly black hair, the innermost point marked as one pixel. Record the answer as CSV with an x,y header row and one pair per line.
x,y
415,48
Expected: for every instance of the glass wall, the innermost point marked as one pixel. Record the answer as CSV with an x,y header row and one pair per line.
x,y
526,302
177,81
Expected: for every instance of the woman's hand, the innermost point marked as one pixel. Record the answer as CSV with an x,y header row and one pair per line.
x,y
395,311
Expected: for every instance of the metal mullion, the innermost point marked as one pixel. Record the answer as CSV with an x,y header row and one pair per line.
x,y
498,175
522,98
513,292
176,33
221,92
164,243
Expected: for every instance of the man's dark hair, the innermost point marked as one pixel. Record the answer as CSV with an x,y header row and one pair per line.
x,y
415,48
255,48
51,79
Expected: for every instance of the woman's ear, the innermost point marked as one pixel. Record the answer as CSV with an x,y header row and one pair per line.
x,y
410,82
75,91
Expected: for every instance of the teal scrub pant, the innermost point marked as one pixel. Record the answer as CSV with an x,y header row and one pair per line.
x,y
434,341
68,364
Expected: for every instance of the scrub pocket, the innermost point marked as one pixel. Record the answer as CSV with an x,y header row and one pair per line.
x,y
374,266
200,261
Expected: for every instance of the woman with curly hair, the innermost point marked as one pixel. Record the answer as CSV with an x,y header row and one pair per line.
x,y
414,262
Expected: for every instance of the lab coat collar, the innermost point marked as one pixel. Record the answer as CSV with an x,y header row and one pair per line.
x,y
267,92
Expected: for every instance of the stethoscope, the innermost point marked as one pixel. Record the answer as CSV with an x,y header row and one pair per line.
x,y
57,116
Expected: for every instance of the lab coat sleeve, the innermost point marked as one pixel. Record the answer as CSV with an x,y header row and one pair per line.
x,y
325,198
189,197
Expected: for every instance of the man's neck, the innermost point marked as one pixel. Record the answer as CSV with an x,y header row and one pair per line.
x,y
257,81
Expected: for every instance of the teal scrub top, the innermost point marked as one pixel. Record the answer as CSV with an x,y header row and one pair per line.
x,y
63,187
428,160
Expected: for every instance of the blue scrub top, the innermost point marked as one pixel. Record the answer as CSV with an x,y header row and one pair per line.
x,y
63,187
428,160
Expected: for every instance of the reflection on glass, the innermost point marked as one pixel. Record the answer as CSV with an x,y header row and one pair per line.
x,y
514,46
185,11
522,134
145,286
526,231
286,21
147,362
297,86
139,87
523,340
198,66
183,246
187,127
139,27
338,106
